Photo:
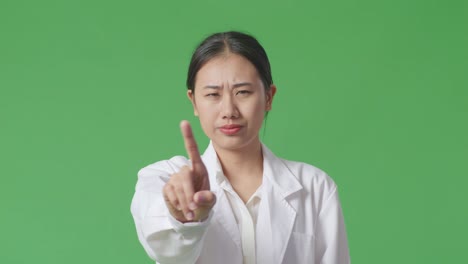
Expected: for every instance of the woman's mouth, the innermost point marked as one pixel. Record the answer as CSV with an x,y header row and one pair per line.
x,y
230,129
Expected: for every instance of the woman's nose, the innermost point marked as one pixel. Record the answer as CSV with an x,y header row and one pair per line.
x,y
228,108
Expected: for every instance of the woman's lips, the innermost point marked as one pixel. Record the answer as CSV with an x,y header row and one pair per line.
x,y
230,129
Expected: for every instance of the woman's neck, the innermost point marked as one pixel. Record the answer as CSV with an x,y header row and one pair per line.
x,y
246,163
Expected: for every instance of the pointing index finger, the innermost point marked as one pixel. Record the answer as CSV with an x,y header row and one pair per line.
x,y
191,145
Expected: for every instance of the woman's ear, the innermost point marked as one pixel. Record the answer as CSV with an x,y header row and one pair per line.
x,y
270,93
191,97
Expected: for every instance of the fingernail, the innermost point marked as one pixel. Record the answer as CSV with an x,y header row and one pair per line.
x,y
192,206
179,208
189,216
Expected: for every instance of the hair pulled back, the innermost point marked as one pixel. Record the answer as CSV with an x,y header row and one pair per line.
x,y
230,42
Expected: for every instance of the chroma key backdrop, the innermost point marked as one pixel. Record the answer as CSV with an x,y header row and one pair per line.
x,y
375,93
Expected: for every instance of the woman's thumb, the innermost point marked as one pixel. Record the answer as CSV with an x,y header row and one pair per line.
x,y
205,198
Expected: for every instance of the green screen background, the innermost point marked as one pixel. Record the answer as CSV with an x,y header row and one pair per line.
x,y
373,92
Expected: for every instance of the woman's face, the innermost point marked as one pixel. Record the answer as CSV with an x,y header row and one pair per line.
x,y
230,101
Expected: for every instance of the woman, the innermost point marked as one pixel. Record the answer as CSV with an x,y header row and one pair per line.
x,y
238,202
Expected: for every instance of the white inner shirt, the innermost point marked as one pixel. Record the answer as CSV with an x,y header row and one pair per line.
x,y
246,216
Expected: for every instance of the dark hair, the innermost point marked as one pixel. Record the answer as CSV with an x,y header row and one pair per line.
x,y
233,42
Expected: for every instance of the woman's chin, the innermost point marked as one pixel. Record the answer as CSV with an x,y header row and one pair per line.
x,y
232,143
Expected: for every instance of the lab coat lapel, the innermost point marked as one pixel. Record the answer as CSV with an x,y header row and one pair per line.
x,y
224,217
280,185
222,212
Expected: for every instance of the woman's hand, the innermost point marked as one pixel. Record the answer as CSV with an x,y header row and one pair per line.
x,y
187,193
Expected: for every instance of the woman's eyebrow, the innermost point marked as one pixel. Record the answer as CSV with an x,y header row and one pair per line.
x,y
212,86
236,85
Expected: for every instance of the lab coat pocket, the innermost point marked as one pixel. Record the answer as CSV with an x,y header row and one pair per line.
x,y
300,248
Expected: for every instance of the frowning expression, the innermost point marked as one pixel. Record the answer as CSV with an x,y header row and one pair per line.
x,y
230,101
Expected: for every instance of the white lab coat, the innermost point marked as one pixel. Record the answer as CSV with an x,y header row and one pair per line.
x,y
300,217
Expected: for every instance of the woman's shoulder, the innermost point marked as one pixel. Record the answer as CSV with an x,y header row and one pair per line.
x,y
170,166
153,176
310,176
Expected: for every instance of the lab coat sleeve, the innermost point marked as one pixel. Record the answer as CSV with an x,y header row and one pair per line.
x,y
164,239
331,238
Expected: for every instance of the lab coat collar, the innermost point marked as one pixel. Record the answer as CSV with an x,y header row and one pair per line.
x,y
278,174
274,170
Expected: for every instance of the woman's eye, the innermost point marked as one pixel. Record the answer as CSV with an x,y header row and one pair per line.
x,y
243,92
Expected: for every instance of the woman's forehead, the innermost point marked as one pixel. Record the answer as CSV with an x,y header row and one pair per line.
x,y
229,69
